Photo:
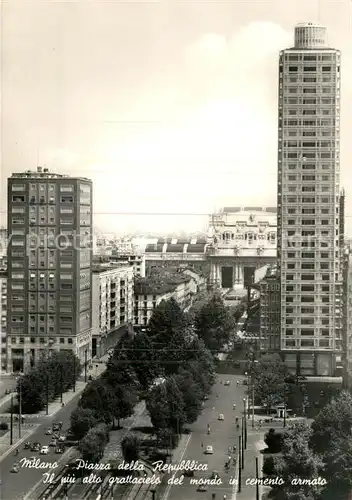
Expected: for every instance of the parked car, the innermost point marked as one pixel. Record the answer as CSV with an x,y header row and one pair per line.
x,y
227,383
49,432
221,417
62,438
53,442
59,449
27,445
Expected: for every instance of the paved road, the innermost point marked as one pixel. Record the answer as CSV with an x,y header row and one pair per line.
x,y
222,435
15,486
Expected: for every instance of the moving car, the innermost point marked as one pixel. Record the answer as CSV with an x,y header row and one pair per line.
x,y
44,450
49,432
188,473
35,447
62,438
221,417
208,450
215,475
202,487
27,445
227,382
59,449
15,467
53,442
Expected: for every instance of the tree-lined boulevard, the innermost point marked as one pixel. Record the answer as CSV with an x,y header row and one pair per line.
x,y
172,367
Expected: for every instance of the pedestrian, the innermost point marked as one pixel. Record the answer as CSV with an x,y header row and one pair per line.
x,y
201,445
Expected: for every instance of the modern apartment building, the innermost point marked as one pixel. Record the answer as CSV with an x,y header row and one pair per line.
x,y
308,203
112,305
49,266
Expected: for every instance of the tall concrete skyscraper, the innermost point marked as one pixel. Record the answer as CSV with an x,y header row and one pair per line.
x,y
49,266
308,203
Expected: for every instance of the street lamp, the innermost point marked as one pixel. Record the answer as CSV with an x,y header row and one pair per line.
x,y
245,422
85,365
19,406
252,377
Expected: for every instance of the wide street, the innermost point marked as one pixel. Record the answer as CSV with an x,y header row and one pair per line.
x,y
223,434
14,486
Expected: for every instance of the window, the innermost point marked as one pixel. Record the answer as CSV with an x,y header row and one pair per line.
x,y
68,188
326,69
66,199
18,198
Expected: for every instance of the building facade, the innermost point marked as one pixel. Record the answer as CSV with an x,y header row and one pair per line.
x,y
270,309
3,316
180,252
49,266
241,240
112,305
132,258
150,291
309,202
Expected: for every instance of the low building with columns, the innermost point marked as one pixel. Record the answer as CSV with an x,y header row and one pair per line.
x,y
243,242
240,244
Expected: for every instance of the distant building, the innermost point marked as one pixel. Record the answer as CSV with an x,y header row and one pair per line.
x,y
150,291
132,258
241,241
49,266
3,243
3,315
112,305
181,252
270,321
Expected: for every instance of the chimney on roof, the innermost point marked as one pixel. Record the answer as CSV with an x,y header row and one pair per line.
x,y
39,170
45,170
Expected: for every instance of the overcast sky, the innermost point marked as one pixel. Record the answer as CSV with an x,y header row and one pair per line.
x,y
169,106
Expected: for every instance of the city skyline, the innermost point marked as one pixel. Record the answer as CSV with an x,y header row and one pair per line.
x,y
185,93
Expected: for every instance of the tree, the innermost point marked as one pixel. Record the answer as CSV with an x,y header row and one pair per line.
x,y
269,380
122,404
131,448
214,323
98,396
82,420
334,421
274,441
93,444
297,464
192,395
332,438
120,372
165,405
139,353
109,402
49,377
167,318
338,469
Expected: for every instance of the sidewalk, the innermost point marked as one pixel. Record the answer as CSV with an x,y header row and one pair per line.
x,y
255,443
